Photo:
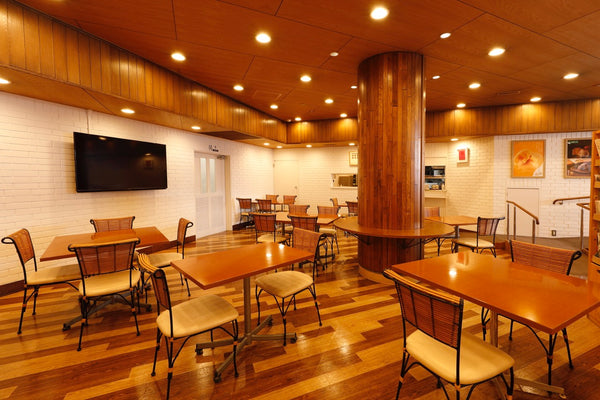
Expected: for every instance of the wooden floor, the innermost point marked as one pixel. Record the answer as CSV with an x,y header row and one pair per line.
x,y
355,354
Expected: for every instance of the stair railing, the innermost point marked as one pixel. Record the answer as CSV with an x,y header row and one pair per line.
x,y
534,220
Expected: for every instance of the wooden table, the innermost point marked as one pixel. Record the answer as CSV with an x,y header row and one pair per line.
x,y
456,221
543,300
216,269
281,217
59,247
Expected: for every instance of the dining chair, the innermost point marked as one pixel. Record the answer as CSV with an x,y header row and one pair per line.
x,y
440,345
298,209
187,319
106,270
38,276
308,222
547,258
329,232
163,259
274,199
485,238
112,224
264,205
334,201
265,229
435,212
352,208
284,286
288,200
245,208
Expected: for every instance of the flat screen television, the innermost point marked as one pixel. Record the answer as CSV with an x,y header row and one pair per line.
x,y
104,163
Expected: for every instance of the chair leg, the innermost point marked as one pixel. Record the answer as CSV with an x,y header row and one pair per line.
x,y
313,291
235,340
257,295
84,315
484,321
36,291
157,347
566,338
133,309
511,329
23,308
171,362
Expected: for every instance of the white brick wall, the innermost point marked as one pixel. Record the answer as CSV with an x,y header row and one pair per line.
x,y
38,178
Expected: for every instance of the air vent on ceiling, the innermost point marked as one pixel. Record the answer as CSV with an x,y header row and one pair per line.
x,y
508,93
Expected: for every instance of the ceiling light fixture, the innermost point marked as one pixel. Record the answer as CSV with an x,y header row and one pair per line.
x,y
263,38
4,81
329,100
343,115
435,77
305,78
266,143
454,139
196,128
297,119
274,106
351,144
445,35
475,85
353,87
535,99
279,147
238,88
334,54
461,105
178,56
496,51
127,111
571,75
309,145
379,13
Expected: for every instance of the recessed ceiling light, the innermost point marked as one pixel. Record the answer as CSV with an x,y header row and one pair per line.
x,y
329,100
379,13
535,99
496,51
266,143
454,139
127,111
351,144
445,35
474,85
435,77
263,38
334,54
343,115
196,128
4,81
571,75
178,56
238,88
274,106
305,78
353,87
297,119
461,105
279,147
309,145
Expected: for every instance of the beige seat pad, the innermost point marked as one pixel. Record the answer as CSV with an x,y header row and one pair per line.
x,y
284,283
116,282
48,275
268,238
161,260
197,315
479,360
472,242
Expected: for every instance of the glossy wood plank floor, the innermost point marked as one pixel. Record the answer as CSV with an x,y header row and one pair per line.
x,y
355,354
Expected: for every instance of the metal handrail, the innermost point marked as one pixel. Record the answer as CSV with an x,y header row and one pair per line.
x,y
584,206
535,220
560,201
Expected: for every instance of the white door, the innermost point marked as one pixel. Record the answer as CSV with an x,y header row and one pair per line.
x,y
285,177
529,199
210,194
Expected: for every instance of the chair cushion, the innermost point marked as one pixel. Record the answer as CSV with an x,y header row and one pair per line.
x,y
328,231
284,283
268,238
479,360
472,243
105,284
161,260
196,315
63,273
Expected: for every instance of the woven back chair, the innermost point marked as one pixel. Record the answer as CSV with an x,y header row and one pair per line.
x,y
245,208
264,205
334,201
308,222
440,345
289,200
328,211
298,209
266,228
34,278
485,239
352,207
431,211
112,224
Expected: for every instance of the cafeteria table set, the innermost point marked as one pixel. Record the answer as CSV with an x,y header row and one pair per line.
x,y
543,300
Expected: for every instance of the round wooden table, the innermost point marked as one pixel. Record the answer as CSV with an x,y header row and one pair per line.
x,y
380,248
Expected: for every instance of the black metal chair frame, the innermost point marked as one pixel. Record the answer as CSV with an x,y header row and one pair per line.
x,y
485,227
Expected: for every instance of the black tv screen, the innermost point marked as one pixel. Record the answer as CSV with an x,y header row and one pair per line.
x,y
104,163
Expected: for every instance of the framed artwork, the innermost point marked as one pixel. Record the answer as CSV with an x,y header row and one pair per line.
x,y
463,155
353,158
578,158
528,158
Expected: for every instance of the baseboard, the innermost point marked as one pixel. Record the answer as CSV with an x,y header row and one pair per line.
x,y
241,226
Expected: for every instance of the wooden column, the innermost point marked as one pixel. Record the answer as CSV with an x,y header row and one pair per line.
x,y
391,117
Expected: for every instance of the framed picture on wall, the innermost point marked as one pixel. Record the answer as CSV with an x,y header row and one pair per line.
x,y
528,158
578,158
353,158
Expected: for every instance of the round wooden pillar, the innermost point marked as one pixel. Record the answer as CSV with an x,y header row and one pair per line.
x,y
391,117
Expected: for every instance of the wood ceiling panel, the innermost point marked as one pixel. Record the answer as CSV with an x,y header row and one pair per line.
x,y
470,44
535,15
582,34
411,24
264,6
225,26
355,49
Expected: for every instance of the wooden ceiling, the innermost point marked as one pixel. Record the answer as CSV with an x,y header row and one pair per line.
x,y
543,41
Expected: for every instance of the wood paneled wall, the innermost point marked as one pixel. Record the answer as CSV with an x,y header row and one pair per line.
x,y
111,78
324,131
